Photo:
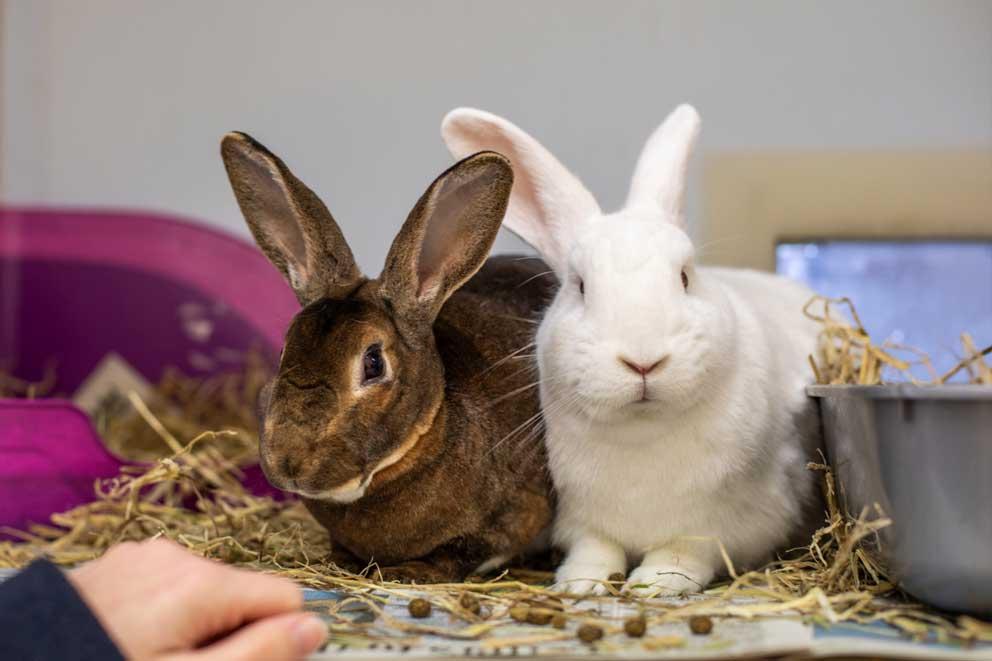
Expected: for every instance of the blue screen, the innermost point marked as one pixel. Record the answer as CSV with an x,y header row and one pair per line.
x,y
920,293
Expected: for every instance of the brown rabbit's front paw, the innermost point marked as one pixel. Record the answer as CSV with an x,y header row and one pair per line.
x,y
417,571
345,561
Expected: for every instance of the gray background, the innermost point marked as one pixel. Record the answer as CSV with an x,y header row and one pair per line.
x,y
122,103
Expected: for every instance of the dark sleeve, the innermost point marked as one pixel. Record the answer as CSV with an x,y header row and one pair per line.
x,y
43,617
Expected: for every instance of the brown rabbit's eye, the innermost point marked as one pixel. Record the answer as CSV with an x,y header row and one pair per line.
x,y
685,280
372,363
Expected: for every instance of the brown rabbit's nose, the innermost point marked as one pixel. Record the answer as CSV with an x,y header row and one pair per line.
x,y
642,369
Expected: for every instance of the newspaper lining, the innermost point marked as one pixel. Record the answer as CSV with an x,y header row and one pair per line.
x,y
731,639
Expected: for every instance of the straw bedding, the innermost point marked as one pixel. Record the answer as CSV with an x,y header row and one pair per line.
x,y
192,495
848,355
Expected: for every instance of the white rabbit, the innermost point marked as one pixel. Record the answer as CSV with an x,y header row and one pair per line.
x,y
673,394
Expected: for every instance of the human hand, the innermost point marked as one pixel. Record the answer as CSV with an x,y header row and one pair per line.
x,y
159,602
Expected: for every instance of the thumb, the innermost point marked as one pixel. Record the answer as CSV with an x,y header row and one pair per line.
x,y
281,638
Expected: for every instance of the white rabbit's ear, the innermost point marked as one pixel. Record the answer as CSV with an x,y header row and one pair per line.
x,y
547,203
660,176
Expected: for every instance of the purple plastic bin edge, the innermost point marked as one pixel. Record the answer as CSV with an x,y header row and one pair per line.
x,y
50,455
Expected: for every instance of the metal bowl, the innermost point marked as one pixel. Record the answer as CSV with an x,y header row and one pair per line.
x,y
924,455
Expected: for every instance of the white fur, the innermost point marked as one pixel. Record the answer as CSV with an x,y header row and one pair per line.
x,y
710,445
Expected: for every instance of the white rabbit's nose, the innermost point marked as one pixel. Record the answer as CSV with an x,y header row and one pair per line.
x,y
643,368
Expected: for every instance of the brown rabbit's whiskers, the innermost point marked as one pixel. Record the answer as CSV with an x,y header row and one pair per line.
x,y
510,356
534,277
512,393
524,320
534,425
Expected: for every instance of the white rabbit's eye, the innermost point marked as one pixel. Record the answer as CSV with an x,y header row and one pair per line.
x,y
685,281
582,287
373,365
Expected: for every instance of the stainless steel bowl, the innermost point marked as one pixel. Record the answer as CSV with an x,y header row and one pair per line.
x,y
924,454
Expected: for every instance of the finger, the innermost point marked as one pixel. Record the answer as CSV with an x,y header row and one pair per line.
x,y
282,638
227,598
256,595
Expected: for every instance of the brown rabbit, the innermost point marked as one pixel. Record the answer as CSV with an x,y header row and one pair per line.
x,y
402,411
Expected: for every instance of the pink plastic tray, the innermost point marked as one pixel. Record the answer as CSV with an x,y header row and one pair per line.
x,y
75,285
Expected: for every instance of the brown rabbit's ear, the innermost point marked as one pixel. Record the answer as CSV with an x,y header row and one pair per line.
x,y
446,237
290,224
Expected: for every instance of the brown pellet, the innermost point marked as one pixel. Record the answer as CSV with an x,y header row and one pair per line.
x,y
470,603
519,613
559,621
419,608
700,624
635,626
540,617
617,577
589,633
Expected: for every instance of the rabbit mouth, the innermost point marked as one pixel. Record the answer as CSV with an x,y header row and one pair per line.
x,y
640,400
345,493
631,404
355,488
644,407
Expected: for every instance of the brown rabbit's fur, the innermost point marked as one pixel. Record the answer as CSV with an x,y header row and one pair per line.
x,y
442,450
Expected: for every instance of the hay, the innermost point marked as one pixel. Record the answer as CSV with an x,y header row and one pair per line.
x,y
194,497
185,406
182,407
16,388
847,355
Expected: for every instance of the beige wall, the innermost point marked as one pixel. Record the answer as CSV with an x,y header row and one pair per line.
x,y
752,200
122,102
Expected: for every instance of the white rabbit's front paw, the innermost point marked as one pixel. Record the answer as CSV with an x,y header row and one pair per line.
x,y
582,578
589,563
651,580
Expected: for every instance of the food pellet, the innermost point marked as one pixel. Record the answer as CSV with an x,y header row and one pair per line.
x,y
540,617
519,613
470,603
589,633
419,608
559,621
700,624
616,577
635,627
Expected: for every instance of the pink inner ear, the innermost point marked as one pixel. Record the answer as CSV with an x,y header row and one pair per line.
x,y
448,227
524,215
278,219
547,202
